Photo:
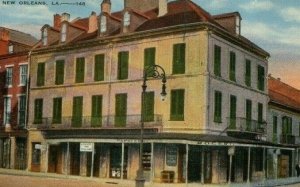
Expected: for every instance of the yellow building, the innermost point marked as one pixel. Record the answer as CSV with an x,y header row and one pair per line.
x,y
85,96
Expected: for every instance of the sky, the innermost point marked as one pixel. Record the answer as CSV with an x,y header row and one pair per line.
x,y
274,25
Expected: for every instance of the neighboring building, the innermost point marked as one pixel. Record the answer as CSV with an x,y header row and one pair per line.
x,y
284,126
14,49
86,88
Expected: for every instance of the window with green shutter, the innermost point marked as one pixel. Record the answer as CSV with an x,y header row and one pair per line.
x,y
217,61
77,111
149,58
99,68
96,120
232,66
275,128
260,113
60,72
38,111
177,105
123,58
286,125
179,58
248,114
248,73
218,107
121,110
40,79
232,111
57,108
260,78
148,107
80,65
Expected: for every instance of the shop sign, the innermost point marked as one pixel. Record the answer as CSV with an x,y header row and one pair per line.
x,y
37,146
86,147
171,155
231,150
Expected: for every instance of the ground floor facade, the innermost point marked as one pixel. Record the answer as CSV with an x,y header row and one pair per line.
x,y
170,160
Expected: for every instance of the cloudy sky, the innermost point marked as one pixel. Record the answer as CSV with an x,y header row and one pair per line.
x,y
272,24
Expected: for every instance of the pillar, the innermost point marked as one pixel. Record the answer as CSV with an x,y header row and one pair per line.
x,y
248,165
122,162
83,163
264,163
12,152
152,163
186,164
202,166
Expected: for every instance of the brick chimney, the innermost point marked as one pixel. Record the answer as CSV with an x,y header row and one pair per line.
x,y
56,21
4,34
93,25
106,6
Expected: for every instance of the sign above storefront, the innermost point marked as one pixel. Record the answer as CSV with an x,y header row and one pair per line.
x,y
86,147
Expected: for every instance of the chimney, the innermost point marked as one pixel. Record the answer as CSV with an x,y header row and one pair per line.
x,y
141,5
106,6
162,7
4,34
56,21
65,17
93,26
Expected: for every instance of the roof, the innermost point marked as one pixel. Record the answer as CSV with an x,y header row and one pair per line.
x,y
283,94
21,37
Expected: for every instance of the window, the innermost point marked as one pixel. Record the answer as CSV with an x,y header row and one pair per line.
x,y
123,65
38,111
99,68
179,58
57,108
23,74
64,33
274,128
59,72
148,107
10,48
177,105
77,111
248,114
248,73
45,36
21,110
286,125
149,58
260,78
103,27
260,113
217,61
218,107
8,76
80,63
40,80
232,66
96,111
121,110
7,110
126,19
232,111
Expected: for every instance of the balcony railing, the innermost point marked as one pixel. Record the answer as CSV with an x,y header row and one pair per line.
x,y
129,121
287,139
245,125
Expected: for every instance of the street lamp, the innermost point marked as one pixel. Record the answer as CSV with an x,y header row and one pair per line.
x,y
156,72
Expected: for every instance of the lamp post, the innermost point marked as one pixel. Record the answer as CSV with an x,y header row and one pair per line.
x,y
156,72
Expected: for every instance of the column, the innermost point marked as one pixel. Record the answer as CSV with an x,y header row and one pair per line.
x,y
186,164
264,163
12,152
202,165
92,166
248,165
67,159
152,163
83,164
293,163
122,161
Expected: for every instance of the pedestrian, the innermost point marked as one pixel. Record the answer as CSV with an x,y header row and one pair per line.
x,y
297,170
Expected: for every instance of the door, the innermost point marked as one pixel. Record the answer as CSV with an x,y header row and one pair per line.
x,y
52,158
194,165
74,159
207,167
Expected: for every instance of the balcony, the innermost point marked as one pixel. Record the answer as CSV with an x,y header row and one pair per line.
x,y
244,128
105,122
287,139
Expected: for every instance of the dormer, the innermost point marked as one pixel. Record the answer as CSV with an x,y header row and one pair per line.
x,y
103,24
10,48
126,21
132,19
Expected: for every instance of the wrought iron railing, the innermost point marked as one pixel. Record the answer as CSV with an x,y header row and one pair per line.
x,y
129,121
246,125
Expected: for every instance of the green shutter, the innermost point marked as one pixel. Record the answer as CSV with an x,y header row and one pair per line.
x,y
248,73
121,110
149,60
99,68
248,114
123,65
96,120
38,111
148,106
80,65
177,105
179,58
260,113
57,109
218,107
217,61
274,128
232,111
77,111
232,66
41,74
260,78
60,70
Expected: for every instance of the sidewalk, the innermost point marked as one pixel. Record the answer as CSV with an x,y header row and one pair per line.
x,y
131,183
